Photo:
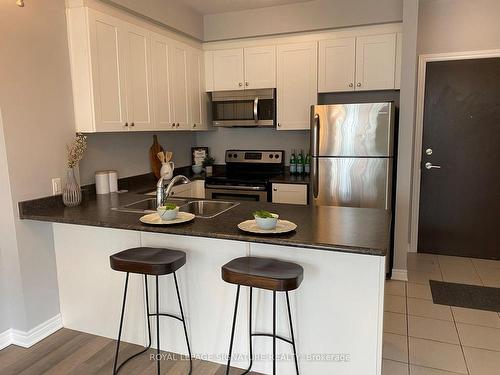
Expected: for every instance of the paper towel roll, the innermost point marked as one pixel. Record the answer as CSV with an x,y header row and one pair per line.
x,y
102,182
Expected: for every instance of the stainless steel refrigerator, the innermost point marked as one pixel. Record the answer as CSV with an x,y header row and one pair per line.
x,y
352,154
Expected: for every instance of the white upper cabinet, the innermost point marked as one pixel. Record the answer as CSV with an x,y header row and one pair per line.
x,y
179,87
240,68
358,63
375,62
228,72
399,52
195,90
296,84
127,76
108,73
260,67
161,82
337,64
137,51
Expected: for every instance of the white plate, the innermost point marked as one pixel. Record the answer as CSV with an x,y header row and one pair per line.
x,y
155,219
283,226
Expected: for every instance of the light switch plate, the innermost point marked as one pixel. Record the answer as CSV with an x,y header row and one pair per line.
x,y
56,186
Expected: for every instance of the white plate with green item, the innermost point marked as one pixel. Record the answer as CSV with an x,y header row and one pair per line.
x,y
267,223
155,219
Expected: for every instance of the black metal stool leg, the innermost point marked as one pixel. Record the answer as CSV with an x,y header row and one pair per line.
x,y
147,310
250,334
121,325
274,333
291,332
184,324
158,357
232,331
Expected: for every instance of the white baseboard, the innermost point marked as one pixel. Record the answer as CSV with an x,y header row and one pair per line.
x,y
30,338
401,275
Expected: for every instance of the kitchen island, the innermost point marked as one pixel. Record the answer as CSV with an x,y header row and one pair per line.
x,y
337,311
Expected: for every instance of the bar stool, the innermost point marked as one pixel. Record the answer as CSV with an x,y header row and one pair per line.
x,y
156,262
268,274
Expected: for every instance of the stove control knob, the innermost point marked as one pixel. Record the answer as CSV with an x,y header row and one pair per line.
x,y
229,155
271,156
277,156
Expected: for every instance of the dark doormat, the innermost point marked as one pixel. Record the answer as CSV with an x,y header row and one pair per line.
x,y
463,295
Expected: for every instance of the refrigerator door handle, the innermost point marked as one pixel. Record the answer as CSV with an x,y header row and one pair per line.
x,y
315,177
315,123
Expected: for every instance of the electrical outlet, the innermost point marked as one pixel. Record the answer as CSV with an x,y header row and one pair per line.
x,y
56,186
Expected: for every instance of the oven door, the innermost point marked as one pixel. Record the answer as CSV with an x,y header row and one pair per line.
x,y
244,108
229,194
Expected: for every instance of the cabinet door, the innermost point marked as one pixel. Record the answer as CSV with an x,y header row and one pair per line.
x,y
290,193
375,62
137,50
108,72
161,82
179,90
260,67
337,62
297,85
194,62
228,69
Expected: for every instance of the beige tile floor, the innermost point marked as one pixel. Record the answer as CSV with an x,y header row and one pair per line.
x,y
422,338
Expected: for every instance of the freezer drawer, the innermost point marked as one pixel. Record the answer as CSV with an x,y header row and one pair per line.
x,y
352,182
352,130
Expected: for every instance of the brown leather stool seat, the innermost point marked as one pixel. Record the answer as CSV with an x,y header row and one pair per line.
x,y
263,273
148,261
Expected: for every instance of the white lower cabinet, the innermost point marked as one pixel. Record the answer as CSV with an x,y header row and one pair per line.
x,y
297,85
289,193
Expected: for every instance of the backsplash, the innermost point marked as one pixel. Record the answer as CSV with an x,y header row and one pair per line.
x,y
222,139
128,153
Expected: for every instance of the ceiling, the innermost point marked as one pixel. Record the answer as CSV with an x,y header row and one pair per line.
x,y
222,6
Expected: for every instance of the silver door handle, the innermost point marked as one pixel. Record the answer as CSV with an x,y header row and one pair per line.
x,y
256,109
429,165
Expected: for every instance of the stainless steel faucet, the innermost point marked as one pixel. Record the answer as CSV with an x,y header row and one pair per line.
x,y
163,193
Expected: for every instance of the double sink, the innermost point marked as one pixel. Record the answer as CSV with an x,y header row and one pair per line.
x,y
206,209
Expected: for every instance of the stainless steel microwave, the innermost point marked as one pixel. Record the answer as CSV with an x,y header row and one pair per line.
x,y
244,108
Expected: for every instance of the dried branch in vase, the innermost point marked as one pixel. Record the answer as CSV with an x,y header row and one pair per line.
x,y
76,150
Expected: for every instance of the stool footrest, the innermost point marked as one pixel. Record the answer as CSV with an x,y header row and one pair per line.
x,y
271,335
167,315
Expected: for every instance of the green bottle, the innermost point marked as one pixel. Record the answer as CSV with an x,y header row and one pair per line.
x,y
293,163
307,163
300,162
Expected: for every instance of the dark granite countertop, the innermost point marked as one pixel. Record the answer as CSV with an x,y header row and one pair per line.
x,y
352,230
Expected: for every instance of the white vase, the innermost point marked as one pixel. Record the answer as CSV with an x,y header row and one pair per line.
x,y
167,170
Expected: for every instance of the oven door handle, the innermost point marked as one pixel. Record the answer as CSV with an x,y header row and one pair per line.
x,y
256,109
224,187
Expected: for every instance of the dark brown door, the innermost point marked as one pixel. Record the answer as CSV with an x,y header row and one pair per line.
x,y
460,202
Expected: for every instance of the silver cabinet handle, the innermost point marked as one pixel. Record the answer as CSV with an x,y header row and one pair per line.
x,y
246,83
173,124
358,84
351,84
132,124
194,125
126,124
275,189
279,125
177,125
429,165
240,84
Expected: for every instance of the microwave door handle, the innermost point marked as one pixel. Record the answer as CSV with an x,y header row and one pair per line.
x,y
256,109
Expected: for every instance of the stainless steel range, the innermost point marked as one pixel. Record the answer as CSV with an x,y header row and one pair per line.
x,y
247,175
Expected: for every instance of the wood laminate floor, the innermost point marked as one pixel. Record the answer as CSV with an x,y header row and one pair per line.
x,y
73,352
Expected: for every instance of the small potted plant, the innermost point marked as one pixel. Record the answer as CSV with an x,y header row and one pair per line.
x,y
208,164
265,219
168,212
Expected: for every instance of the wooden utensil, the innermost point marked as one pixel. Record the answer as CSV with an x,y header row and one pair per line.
x,y
168,156
161,157
153,156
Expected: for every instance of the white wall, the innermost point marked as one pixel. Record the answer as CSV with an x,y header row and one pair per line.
x,y
128,153
458,25
172,13
222,139
312,15
11,291
35,93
